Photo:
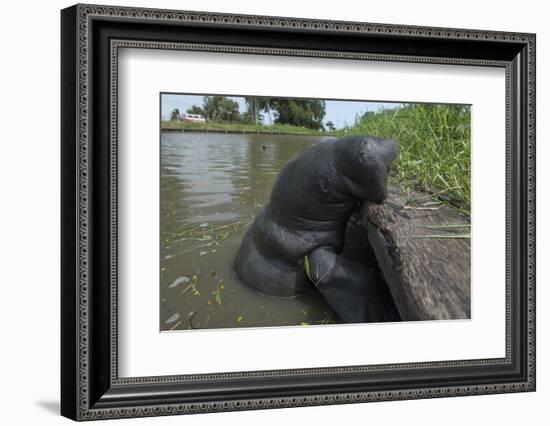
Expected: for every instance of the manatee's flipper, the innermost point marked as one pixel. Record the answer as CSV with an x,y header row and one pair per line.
x,y
268,275
348,286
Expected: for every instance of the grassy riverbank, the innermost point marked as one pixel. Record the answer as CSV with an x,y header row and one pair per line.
x,y
434,146
212,126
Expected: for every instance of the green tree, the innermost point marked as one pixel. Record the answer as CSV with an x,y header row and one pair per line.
x,y
252,109
330,126
220,108
300,112
195,109
255,105
366,115
175,115
246,117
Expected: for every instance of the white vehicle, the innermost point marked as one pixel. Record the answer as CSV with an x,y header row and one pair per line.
x,y
195,118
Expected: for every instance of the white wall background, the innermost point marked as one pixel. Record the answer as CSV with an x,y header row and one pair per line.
x,y
29,211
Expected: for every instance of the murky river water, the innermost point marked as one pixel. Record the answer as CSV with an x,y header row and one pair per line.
x,y
212,186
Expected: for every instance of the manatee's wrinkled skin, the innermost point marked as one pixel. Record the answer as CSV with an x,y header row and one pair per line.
x,y
307,214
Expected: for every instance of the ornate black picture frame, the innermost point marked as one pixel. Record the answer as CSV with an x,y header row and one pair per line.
x,y
90,385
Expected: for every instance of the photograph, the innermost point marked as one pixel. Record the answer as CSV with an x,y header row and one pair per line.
x,y
289,211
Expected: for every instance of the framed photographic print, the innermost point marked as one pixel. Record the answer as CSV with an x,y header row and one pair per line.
x,y
263,212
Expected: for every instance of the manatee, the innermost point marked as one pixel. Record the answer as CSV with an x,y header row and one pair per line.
x,y
295,243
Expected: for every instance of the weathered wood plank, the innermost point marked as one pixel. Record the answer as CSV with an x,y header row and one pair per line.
x,y
429,278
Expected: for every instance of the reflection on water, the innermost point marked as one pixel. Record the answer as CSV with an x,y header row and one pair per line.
x,y
212,186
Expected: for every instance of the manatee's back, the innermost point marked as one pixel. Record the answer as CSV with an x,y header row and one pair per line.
x,y
306,190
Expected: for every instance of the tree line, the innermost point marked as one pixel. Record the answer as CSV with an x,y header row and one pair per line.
x,y
307,113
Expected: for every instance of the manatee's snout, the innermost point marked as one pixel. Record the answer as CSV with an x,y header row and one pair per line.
x,y
392,150
386,149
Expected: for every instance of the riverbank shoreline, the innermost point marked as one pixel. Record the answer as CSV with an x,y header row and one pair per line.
x,y
242,132
241,128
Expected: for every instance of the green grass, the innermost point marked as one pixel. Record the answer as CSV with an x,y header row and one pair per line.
x,y
434,146
242,127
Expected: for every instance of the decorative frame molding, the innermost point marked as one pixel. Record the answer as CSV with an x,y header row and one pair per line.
x,y
91,388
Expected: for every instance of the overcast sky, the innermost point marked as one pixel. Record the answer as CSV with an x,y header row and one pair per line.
x,y
341,113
